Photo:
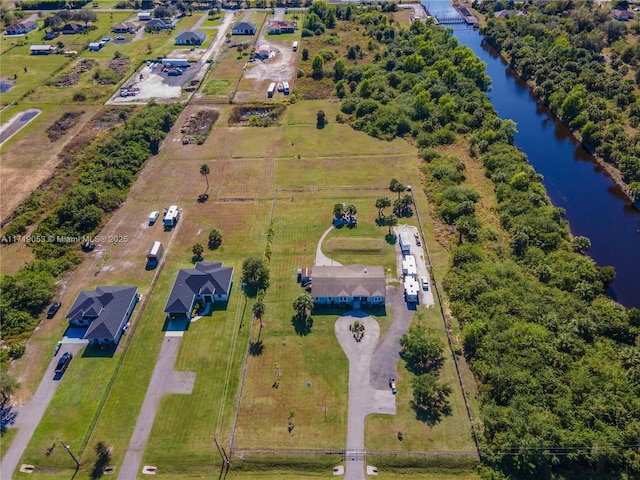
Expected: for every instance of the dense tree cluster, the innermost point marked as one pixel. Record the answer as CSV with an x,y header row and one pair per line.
x,y
105,173
558,361
578,58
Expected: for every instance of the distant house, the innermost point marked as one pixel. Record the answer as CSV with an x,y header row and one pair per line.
x,y
159,24
191,37
41,49
124,27
144,16
355,285
22,28
105,310
208,282
262,51
508,13
50,35
280,26
243,28
620,14
72,28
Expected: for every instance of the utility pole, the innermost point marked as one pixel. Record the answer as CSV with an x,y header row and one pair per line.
x,y
68,449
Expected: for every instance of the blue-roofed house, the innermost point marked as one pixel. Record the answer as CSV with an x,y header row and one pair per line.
x,y
207,281
105,310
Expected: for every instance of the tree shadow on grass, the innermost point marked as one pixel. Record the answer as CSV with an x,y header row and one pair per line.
x,y
256,348
430,416
302,324
7,417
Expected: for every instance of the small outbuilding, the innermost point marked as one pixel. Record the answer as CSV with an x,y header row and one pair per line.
x,y
144,16
96,46
155,252
41,49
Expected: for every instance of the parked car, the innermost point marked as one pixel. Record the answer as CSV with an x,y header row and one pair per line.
x,y
88,246
153,216
392,385
53,309
64,361
425,283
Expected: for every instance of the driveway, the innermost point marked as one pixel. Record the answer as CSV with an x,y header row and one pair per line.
x,y
16,123
164,381
363,398
29,416
321,258
426,297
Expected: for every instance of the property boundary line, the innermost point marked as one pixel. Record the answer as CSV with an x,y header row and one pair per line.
x,y
448,330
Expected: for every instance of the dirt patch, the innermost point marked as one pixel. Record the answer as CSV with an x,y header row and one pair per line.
x,y
197,126
260,115
64,123
71,78
111,117
115,70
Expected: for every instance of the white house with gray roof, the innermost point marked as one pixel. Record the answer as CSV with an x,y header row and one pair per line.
x,y
357,285
207,281
105,310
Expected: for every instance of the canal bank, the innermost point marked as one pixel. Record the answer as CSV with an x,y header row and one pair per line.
x,y
596,207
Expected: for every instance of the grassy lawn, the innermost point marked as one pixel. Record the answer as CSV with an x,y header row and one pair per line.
x,y
247,165
5,440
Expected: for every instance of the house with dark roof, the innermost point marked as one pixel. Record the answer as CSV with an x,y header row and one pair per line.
x,y
22,27
105,311
159,24
191,37
72,28
207,281
243,28
281,26
508,13
356,285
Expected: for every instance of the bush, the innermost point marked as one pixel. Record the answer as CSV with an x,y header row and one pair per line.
x,y
306,33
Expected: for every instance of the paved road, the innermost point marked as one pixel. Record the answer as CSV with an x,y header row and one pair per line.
x,y
16,123
363,398
30,415
321,258
165,380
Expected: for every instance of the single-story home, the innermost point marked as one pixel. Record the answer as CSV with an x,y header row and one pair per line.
x,y
355,285
41,49
191,37
281,26
243,28
207,281
621,14
22,27
159,24
262,51
72,28
124,27
105,310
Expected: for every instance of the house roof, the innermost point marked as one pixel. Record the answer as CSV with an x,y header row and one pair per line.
x,y
73,26
206,278
159,22
40,47
621,14
191,35
23,25
508,13
348,281
106,307
124,26
244,26
281,24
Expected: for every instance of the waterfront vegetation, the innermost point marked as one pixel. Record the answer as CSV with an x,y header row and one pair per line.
x,y
557,360
585,66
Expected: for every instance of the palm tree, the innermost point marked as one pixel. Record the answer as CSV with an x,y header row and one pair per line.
x,y
391,221
205,170
381,204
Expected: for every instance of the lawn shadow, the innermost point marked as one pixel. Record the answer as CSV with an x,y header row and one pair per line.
x,y
176,324
7,417
302,325
256,348
99,351
431,418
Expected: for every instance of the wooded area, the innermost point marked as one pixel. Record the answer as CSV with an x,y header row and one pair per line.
x,y
557,360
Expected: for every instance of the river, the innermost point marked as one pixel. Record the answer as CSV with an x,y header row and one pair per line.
x,y
595,206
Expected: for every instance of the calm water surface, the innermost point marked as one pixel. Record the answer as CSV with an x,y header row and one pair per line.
x,y
595,206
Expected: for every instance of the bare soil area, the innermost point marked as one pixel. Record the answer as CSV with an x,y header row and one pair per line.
x,y
64,123
71,78
197,126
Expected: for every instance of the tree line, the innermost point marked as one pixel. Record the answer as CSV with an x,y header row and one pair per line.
x,y
557,360
105,172
579,60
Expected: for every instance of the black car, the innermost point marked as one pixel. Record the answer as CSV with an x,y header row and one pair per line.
x,y
88,246
53,309
64,362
